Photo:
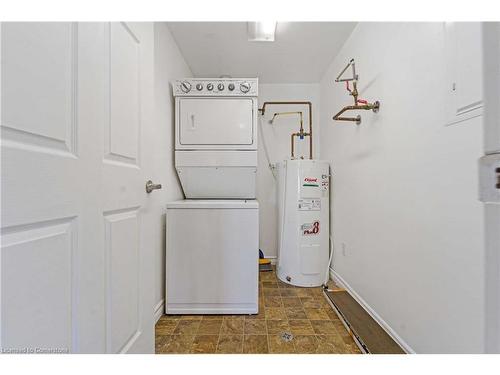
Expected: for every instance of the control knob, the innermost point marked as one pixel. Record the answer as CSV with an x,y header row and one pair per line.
x,y
245,87
220,86
185,86
231,86
199,86
210,87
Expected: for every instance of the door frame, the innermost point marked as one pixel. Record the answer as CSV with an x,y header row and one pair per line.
x,y
488,193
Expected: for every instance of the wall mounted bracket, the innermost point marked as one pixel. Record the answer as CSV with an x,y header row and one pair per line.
x,y
373,106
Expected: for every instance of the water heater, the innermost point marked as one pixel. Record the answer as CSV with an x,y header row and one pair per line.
x,y
303,199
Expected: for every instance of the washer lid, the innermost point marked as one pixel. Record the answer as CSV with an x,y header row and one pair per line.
x,y
214,203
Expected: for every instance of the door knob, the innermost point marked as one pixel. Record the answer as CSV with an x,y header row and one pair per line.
x,y
150,186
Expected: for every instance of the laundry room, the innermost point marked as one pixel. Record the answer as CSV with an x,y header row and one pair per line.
x,y
339,180
318,188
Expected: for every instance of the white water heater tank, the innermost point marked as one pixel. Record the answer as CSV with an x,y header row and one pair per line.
x,y
303,199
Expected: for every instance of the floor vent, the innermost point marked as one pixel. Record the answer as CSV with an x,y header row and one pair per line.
x,y
286,336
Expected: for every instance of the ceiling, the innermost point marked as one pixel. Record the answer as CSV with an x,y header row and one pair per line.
x,y
300,53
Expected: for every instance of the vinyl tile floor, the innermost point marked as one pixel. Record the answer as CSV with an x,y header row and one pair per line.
x,y
290,320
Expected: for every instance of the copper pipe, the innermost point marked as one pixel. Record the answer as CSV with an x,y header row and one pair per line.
x,y
354,93
263,110
293,141
374,107
357,119
291,113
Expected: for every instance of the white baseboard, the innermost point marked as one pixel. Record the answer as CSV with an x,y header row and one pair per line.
x,y
159,310
342,283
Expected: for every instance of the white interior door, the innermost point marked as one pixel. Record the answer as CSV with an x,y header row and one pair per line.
x,y
76,254
128,246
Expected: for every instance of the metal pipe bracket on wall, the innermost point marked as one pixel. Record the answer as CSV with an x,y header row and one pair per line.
x,y
359,104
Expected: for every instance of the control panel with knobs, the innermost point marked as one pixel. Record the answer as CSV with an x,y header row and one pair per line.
x,y
200,87
185,86
245,87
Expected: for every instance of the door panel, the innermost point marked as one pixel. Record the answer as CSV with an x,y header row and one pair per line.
x,y
33,48
129,307
40,212
124,96
74,261
122,258
37,261
216,122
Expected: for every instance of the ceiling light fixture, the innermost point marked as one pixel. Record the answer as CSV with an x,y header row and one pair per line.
x,y
261,31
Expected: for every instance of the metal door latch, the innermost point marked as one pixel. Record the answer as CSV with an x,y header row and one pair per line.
x,y
150,186
489,178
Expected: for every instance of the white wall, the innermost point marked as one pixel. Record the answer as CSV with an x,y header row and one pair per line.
x,y
169,65
277,138
405,200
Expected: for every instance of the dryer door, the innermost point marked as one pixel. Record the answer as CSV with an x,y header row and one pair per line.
x,y
221,121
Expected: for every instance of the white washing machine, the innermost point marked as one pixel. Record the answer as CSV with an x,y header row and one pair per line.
x,y
212,257
212,236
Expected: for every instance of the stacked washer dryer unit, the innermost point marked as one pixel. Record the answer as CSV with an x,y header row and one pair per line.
x,y
212,236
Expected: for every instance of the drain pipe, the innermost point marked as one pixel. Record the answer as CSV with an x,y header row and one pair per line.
x,y
327,273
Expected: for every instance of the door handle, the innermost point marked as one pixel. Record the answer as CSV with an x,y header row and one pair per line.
x,y
150,186
193,125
